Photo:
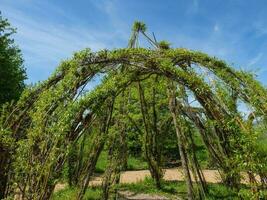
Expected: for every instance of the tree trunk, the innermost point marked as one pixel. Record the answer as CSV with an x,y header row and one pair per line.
x,y
154,167
90,166
98,145
4,160
179,134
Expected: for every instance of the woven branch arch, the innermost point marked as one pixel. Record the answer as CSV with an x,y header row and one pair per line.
x,y
50,116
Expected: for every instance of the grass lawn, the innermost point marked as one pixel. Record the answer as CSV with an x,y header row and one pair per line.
x,y
178,188
70,194
133,163
169,189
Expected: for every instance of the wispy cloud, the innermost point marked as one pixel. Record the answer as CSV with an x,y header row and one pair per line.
x,y
194,7
55,39
49,31
45,42
212,43
255,60
111,10
260,27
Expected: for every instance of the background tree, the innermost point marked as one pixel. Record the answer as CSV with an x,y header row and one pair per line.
x,y
12,72
12,76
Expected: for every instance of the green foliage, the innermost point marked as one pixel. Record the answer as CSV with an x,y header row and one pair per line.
x,y
133,163
164,45
139,26
51,116
72,164
102,162
202,153
136,163
12,72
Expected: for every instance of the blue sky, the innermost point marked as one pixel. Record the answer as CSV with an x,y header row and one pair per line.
x,y
50,31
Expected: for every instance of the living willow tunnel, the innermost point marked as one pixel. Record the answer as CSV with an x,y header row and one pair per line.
x,y
38,132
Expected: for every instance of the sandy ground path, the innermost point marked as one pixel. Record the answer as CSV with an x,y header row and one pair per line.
x,y
173,174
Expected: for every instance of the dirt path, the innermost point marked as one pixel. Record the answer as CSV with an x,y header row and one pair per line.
x,y
174,174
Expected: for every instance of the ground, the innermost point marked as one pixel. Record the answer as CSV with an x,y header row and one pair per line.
x,y
136,183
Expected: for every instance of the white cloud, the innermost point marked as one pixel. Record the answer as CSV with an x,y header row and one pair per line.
x,y
55,39
110,9
45,42
255,60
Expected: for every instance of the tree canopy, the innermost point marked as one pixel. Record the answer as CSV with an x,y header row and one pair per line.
x,y
12,72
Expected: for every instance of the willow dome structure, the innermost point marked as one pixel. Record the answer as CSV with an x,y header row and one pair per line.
x,y
38,131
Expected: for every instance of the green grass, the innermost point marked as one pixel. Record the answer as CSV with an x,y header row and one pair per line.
x,y
201,152
133,163
178,188
70,194
136,163
169,189
102,162
147,186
